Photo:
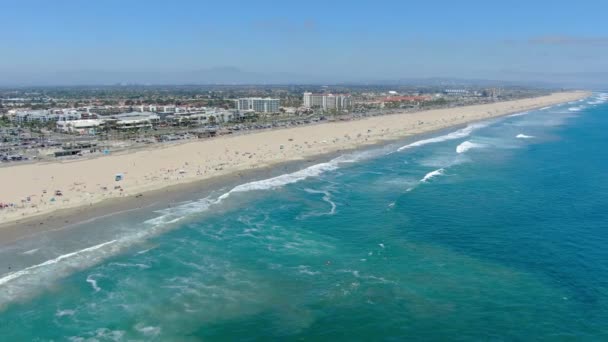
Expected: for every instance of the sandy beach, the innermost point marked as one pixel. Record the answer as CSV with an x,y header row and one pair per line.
x,y
87,183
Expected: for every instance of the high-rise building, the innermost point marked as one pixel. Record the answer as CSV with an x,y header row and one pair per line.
x,y
327,101
258,104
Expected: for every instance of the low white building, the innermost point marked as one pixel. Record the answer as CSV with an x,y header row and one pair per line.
x,y
203,117
135,120
45,115
90,126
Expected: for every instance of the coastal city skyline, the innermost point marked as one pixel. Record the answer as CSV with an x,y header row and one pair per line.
x,y
63,43
303,171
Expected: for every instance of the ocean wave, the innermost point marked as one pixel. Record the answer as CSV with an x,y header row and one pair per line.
x,y
28,270
599,99
575,109
467,145
289,178
520,114
461,133
523,136
432,174
14,284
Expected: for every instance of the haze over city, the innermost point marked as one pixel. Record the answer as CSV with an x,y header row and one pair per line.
x,y
193,42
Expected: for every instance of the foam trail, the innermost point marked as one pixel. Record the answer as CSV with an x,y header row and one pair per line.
x,y
520,114
60,258
467,145
432,174
326,198
461,133
93,283
523,136
575,109
61,313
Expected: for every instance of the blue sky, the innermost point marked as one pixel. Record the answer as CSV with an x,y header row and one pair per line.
x,y
344,40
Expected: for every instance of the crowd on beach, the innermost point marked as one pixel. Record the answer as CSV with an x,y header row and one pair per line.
x,y
88,181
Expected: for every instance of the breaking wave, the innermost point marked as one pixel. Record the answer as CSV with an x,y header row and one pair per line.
x,y
14,284
467,145
431,175
461,133
523,136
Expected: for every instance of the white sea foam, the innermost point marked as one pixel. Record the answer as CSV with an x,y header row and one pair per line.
x,y
467,145
31,251
61,258
105,334
545,108
93,282
326,198
15,284
61,313
129,265
304,269
289,178
432,174
148,330
19,284
575,109
145,251
520,114
461,133
599,99
523,136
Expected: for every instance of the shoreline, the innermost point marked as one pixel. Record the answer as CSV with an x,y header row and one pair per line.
x,y
142,194
67,218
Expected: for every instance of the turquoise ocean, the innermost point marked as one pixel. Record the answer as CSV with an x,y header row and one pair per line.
x,y
497,230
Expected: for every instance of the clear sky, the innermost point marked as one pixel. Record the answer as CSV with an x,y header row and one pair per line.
x,y
344,40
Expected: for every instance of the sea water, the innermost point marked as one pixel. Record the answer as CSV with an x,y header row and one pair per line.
x,y
493,231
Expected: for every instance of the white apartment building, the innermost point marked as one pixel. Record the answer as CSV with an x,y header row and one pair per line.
x,y
327,101
258,104
45,115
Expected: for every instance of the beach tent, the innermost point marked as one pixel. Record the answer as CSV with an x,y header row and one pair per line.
x,y
118,177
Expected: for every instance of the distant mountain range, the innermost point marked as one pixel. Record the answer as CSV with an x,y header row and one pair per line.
x,y
236,76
